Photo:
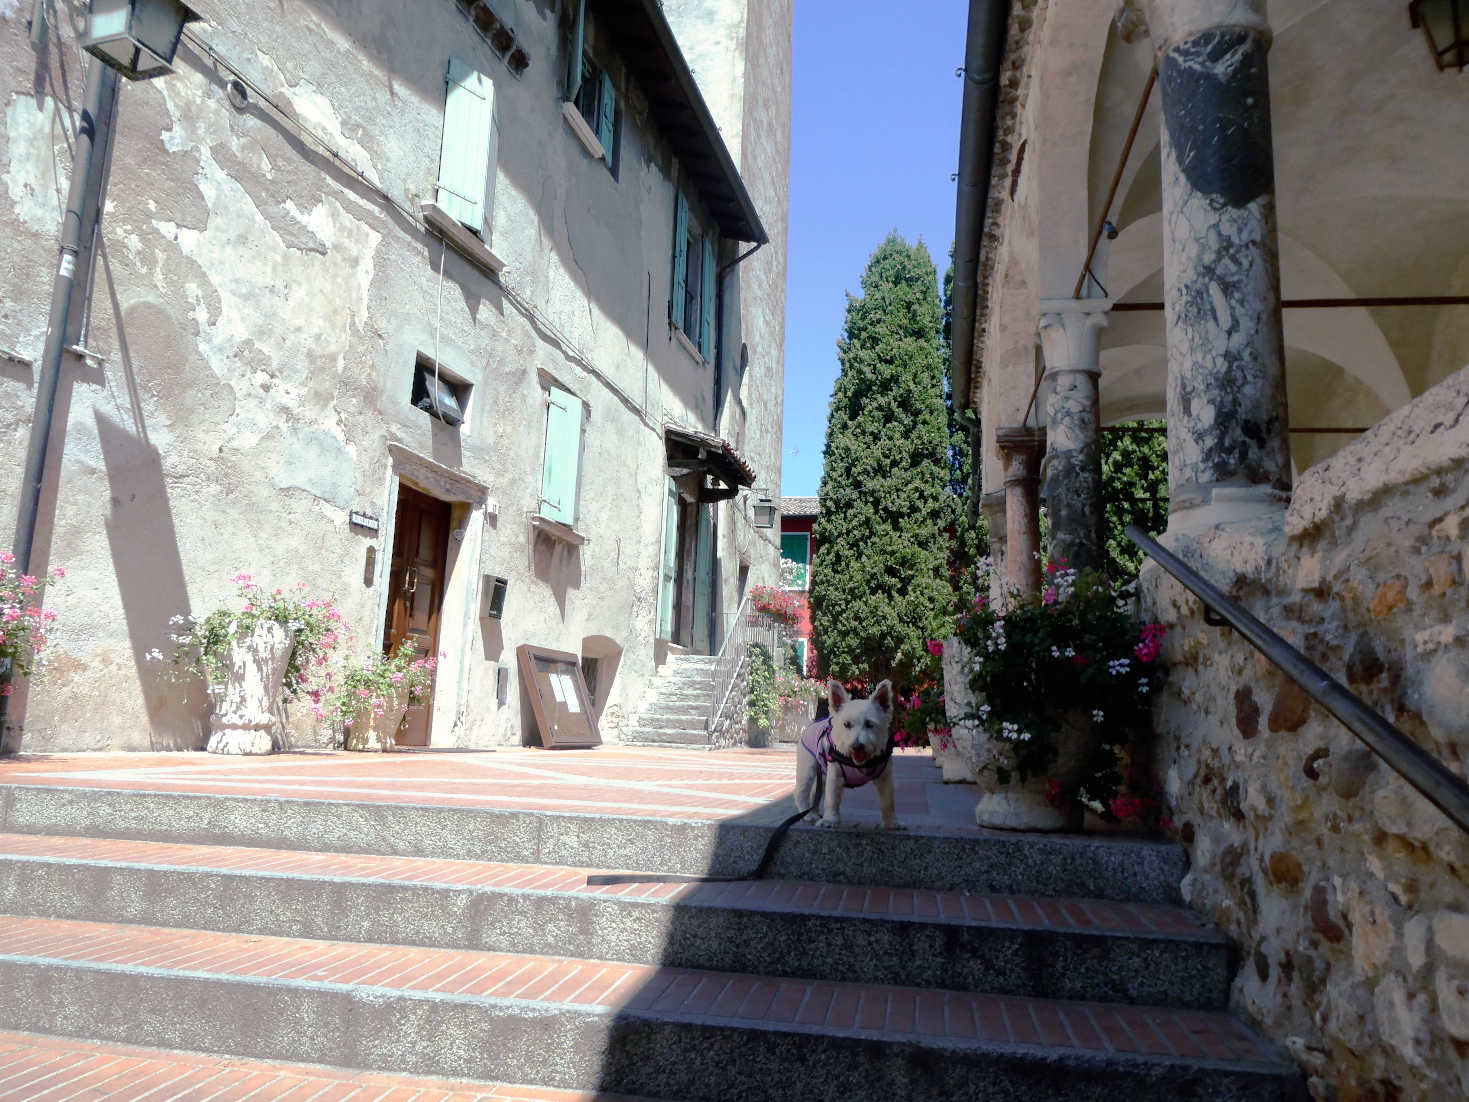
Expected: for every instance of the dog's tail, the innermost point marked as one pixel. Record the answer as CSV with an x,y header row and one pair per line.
x,y
766,860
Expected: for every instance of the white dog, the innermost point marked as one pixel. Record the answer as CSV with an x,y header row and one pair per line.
x,y
847,749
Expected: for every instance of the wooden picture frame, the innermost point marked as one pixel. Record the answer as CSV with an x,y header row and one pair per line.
x,y
558,697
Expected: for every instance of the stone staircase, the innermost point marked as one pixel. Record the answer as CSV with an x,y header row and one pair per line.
x,y
465,944
676,710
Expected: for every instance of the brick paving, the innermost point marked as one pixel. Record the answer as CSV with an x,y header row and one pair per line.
x,y
860,1010
56,1069
643,782
761,895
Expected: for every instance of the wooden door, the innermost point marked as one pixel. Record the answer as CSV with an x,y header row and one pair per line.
x,y
416,590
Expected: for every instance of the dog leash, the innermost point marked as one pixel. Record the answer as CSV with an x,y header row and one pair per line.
x,y
768,858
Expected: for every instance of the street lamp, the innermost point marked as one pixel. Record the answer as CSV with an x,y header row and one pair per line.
x,y
136,37
764,512
1445,24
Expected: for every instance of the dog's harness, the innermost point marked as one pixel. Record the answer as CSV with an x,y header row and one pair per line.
x,y
816,741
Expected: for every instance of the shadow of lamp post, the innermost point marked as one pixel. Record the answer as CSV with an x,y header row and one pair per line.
x,y
135,39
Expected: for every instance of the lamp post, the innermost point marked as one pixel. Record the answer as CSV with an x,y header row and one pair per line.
x,y
136,38
1445,24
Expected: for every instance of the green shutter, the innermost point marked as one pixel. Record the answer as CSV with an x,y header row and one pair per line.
x,y
706,320
796,546
607,119
563,456
578,46
464,161
680,257
669,565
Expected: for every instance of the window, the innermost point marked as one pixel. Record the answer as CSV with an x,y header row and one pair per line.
x,y
560,473
693,280
439,394
467,157
589,87
796,547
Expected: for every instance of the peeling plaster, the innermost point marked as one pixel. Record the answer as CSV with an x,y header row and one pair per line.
x,y
32,175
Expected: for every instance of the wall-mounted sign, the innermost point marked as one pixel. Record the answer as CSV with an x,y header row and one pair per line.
x,y
365,521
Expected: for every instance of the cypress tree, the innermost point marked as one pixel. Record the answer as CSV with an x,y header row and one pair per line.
x,y
879,584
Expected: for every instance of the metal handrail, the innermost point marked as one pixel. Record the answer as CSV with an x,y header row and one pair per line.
x,y
732,658
1447,792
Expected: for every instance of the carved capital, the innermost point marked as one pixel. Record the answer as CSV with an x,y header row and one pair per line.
x,y
1069,330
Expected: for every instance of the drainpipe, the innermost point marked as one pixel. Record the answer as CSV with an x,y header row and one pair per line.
x,y
719,383
983,52
91,136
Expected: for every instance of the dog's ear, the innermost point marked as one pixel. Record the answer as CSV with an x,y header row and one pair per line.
x,y
838,695
883,695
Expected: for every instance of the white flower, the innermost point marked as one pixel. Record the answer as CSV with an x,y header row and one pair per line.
x,y
1098,715
1142,686
1070,652
154,655
1119,666
175,619
1055,652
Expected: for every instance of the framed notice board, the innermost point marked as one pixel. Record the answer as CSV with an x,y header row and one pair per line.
x,y
559,698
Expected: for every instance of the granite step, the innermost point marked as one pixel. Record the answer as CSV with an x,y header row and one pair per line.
x,y
1074,949
991,862
49,1069
691,738
578,1024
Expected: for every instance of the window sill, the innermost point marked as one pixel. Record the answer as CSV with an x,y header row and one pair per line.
x,y
557,531
688,346
467,244
583,132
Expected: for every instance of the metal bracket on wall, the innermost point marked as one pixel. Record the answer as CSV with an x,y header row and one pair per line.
x,y
1214,620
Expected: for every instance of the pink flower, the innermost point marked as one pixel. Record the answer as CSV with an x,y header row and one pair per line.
x,y
6,689
935,647
60,572
1049,595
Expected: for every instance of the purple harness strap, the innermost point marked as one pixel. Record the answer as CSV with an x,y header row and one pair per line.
x,y
816,740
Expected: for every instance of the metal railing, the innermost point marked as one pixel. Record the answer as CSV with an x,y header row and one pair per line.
x,y
1447,792
733,658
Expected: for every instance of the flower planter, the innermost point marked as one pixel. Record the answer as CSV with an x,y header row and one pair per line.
x,y
1026,805
793,720
371,733
246,717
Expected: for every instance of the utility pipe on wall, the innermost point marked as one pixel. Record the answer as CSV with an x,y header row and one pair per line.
x,y
91,136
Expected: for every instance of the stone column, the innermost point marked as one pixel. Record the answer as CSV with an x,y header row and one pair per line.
x,y
1068,331
992,505
1228,448
1021,449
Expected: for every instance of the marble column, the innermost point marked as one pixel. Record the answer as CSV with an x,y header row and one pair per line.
x,y
1228,448
1069,331
1021,450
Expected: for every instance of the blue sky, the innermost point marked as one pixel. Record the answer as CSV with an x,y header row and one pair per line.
x,y
874,139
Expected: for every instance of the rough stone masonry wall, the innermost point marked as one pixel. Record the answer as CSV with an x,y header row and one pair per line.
x,y
1346,890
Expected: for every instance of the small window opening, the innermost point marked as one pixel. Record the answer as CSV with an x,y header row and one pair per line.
x,y
589,675
445,397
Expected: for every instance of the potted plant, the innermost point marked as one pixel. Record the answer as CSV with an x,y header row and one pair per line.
x,y
776,605
252,658
24,625
369,699
1059,697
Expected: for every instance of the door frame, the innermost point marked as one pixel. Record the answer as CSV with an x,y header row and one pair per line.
x,y
459,613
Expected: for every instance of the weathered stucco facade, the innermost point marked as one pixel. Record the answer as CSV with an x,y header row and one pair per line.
x,y
1273,175
265,285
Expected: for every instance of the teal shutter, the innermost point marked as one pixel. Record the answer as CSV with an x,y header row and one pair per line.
x,y
796,546
669,564
563,456
706,321
464,161
680,257
607,119
578,46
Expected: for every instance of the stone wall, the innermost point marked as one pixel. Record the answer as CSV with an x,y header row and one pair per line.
x,y
1347,891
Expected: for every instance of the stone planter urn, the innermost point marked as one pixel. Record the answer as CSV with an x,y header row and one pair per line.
x,y
1024,805
246,717
954,756
377,734
793,720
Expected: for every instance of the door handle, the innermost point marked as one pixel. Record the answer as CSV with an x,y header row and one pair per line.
x,y
410,581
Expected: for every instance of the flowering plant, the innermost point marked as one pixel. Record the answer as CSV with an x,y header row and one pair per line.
x,y
1070,653
202,646
24,625
777,604
378,683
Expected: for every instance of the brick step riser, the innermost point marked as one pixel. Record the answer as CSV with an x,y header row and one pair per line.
x,y
994,863
583,1049
909,952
